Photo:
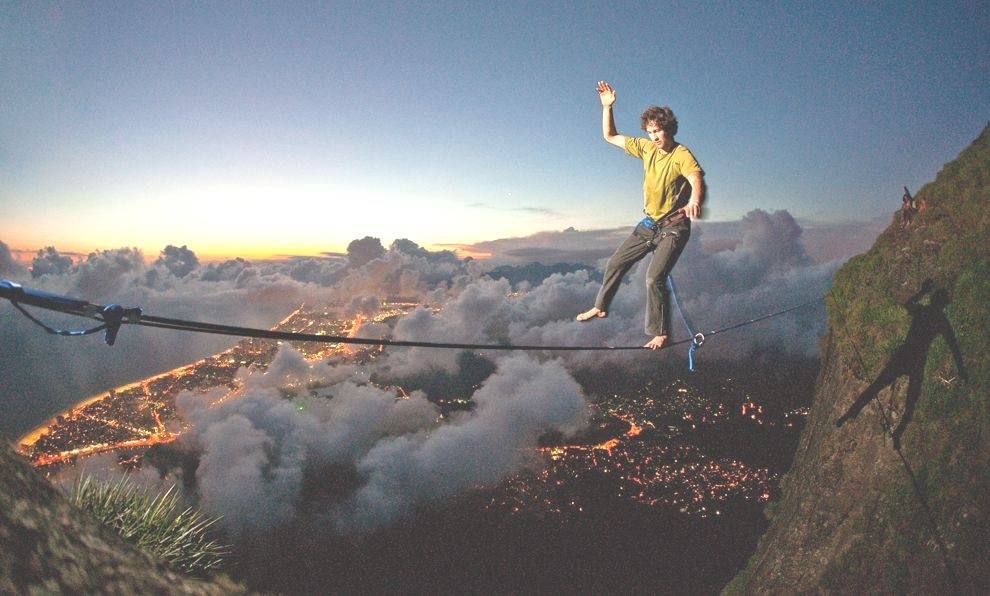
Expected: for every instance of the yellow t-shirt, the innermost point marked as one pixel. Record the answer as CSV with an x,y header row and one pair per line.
x,y
664,175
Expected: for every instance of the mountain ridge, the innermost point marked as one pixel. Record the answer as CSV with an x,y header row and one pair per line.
x,y
858,512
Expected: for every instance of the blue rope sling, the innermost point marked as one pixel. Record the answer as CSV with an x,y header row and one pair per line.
x,y
697,338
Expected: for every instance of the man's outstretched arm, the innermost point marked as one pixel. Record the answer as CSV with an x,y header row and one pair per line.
x,y
607,95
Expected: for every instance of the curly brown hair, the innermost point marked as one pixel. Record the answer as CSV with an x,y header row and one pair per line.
x,y
663,116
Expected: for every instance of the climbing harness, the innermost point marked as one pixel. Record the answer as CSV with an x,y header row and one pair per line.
x,y
671,217
113,316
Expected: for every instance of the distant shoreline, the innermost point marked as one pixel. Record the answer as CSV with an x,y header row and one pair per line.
x,y
31,437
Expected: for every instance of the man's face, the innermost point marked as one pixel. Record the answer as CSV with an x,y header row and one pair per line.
x,y
656,134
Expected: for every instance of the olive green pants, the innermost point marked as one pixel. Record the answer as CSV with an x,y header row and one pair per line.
x,y
666,245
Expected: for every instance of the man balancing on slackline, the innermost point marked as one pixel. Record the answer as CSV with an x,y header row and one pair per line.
x,y
673,188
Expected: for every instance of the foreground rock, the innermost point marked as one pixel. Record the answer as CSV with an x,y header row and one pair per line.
x,y
48,546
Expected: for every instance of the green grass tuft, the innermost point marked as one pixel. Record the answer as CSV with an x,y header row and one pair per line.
x,y
153,522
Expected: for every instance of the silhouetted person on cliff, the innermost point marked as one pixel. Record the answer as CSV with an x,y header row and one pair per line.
x,y
927,322
908,208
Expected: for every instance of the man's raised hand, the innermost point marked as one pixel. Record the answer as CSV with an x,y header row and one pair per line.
x,y
606,93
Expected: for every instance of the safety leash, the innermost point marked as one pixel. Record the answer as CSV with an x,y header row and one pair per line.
x,y
697,339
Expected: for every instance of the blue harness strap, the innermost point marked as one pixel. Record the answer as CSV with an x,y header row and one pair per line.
x,y
697,338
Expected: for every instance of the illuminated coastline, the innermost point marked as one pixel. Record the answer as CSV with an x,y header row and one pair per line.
x,y
142,414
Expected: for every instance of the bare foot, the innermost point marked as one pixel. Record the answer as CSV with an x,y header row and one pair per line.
x,y
594,313
657,342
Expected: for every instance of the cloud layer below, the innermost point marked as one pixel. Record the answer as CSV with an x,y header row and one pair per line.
x,y
365,454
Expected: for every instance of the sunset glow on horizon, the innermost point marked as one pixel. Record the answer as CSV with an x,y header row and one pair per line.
x,y
260,130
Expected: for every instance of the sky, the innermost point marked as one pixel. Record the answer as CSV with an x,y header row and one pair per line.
x,y
267,129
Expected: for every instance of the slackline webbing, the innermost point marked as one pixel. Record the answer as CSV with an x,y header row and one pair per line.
x,y
113,316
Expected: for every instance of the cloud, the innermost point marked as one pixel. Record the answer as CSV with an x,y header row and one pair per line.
x,y
255,451
287,367
516,405
179,260
228,270
529,210
399,274
769,244
823,242
531,274
362,305
9,265
472,316
570,246
106,271
324,272
50,262
258,452
364,250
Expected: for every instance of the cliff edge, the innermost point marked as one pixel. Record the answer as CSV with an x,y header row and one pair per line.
x,y
905,356
48,546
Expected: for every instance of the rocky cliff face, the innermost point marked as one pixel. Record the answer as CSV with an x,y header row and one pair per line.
x,y
909,323
47,546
